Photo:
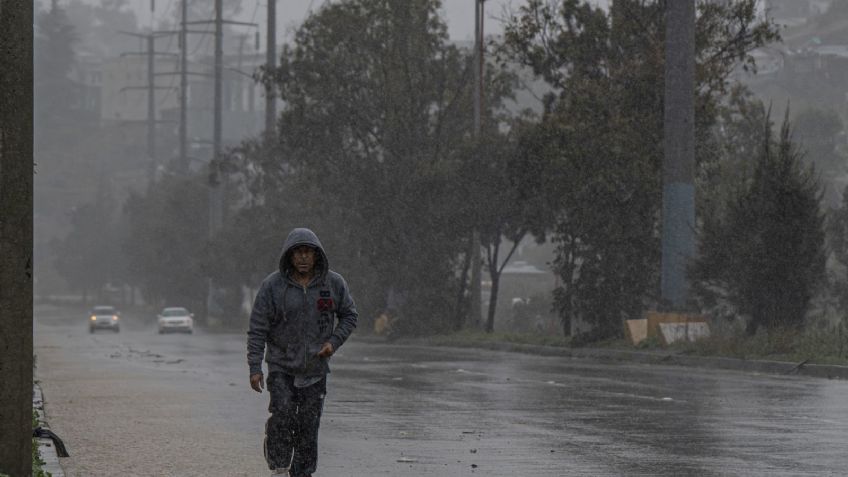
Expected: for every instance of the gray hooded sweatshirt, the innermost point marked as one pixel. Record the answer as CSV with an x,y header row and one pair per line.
x,y
289,323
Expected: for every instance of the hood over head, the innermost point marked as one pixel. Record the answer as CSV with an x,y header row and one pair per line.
x,y
303,236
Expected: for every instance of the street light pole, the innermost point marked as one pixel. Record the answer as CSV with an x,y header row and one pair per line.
x,y
270,64
474,248
215,193
678,208
183,159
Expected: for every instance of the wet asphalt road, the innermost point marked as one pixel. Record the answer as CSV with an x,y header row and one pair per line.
x,y
137,403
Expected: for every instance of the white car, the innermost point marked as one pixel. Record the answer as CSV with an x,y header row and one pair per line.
x,y
175,319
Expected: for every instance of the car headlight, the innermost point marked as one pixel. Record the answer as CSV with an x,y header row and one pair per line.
x,y
114,317
93,318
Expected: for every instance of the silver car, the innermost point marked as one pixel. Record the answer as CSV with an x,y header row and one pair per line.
x,y
104,318
175,319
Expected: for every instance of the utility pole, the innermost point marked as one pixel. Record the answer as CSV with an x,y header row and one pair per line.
x,y
151,88
237,96
678,232
216,196
216,211
183,157
151,98
476,265
216,205
16,179
183,154
216,179
480,50
270,64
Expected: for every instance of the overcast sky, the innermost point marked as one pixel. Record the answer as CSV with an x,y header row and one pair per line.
x,y
459,14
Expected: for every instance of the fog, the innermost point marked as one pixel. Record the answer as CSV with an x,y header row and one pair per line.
x,y
532,235
458,14
131,210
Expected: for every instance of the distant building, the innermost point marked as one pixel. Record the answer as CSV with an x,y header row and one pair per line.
x,y
86,77
124,82
795,12
243,99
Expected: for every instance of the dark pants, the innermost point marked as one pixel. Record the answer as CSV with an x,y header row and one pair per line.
x,y
291,433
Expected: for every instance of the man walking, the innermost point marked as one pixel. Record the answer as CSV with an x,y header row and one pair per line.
x,y
292,324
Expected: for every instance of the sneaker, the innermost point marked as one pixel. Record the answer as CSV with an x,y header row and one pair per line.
x,y
280,473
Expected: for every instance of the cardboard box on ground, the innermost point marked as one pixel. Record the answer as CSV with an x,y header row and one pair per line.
x,y
667,328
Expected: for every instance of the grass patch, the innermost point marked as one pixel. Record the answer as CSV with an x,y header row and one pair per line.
x,y
475,337
816,344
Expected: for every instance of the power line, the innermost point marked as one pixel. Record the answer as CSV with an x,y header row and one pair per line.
x,y
151,87
216,196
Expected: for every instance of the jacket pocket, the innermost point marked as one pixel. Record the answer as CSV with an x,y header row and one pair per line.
x,y
294,356
312,363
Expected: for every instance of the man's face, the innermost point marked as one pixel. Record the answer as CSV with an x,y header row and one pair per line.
x,y
303,259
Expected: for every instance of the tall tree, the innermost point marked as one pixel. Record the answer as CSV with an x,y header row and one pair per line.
x,y
377,104
16,171
167,244
728,150
55,56
505,201
603,126
88,257
766,255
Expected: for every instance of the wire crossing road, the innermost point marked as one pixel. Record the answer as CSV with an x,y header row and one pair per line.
x,y
139,403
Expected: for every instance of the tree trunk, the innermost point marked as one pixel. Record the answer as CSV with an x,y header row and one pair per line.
x,y
475,311
495,270
566,317
493,301
16,178
492,250
460,299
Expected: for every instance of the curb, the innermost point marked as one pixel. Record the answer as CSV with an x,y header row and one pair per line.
x,y
650,357
667,358
46,450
